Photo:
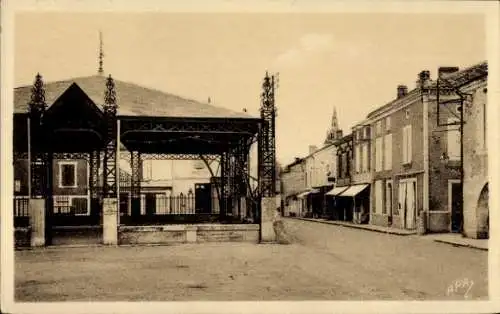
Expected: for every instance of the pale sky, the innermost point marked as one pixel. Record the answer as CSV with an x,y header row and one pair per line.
x,y
351,61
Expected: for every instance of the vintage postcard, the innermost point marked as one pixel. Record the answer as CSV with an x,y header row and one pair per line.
x,y
172,157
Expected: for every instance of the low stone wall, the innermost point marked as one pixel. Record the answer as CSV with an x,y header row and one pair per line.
x,y
71,235
438,222
167,234
188,233
77,235
228,233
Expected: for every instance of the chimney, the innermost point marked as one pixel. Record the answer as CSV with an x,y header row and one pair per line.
x,y
312,149
423,77
402,90
443,72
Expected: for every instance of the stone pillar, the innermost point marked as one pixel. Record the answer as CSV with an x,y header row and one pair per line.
x,y
191,233
110,221
37,221
268,213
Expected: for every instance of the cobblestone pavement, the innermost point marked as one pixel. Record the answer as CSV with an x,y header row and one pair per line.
x,y
324,262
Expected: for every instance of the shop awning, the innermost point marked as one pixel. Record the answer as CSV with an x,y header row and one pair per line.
x,y
354,190
336,191
304,194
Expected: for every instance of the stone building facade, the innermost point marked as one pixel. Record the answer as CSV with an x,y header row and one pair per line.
x,y
415,162
341,208
361,172
293,183
319,172
476,208
398,159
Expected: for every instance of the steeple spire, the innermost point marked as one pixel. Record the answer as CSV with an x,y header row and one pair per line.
x,y
100,71
335,124
333,132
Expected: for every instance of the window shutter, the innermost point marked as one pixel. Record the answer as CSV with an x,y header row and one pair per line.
x,y
453,140
365,157
409,153
405,145
388,152
378,154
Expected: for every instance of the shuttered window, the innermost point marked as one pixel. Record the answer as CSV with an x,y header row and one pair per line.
x,y
407,145
388,152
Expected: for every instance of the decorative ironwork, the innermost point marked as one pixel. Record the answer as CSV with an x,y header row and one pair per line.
x,y
94,164
267,143
109,169
135,184
81,155
100,71
163,156
173,125
48,194
37,104
225,188
110,96
38,163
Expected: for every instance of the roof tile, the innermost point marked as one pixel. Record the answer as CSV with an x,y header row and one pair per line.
x,y
132,99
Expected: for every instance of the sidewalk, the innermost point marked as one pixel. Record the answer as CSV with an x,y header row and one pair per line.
x,y
448,238
456,239
381,229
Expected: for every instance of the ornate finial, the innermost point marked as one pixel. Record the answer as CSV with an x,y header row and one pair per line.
x,y
100,71
335,123
110,94
37,103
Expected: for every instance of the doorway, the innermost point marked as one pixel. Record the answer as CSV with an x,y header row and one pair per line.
x,y
150,203
124,204
455,205
203,198
408,203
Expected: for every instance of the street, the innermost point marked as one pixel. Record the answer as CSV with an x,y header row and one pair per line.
x,y
324,262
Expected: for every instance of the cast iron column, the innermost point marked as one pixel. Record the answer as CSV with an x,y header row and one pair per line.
x,y
136,165
94,162
38,158
110,158
40,203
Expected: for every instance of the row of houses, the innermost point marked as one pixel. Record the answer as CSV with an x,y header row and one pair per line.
x,y
403,165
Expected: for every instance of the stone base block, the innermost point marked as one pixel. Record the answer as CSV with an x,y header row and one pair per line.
x,y
268,214
37,221
191,234
110,221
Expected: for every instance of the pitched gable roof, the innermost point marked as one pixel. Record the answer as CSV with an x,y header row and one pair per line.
x,y
132,99
457,80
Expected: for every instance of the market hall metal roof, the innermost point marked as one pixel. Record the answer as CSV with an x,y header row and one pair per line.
x,y
132,99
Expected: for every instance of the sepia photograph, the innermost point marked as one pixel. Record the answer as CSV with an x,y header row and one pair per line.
x,y
223,155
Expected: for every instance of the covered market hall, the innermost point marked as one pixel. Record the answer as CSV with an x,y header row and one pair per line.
x,y
87,125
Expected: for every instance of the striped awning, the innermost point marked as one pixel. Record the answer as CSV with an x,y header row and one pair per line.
x,y
336,190
305,193
354,190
